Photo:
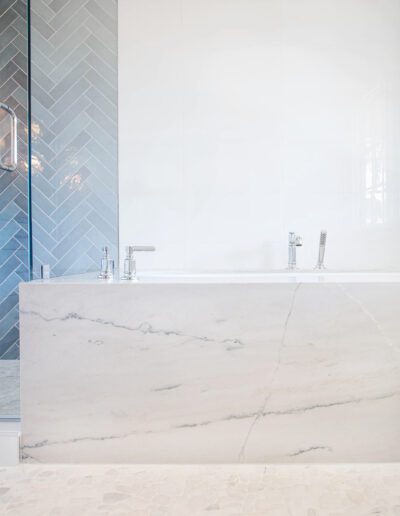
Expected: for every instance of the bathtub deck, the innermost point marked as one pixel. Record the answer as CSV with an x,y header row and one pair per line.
x,y
200,373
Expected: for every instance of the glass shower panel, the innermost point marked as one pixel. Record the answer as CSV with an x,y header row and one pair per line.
x,y
74,134
14,240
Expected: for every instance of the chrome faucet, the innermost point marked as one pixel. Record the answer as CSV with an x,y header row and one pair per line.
x,y
294,241
130,262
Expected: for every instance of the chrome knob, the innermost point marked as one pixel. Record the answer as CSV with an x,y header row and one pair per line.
x,y
107,265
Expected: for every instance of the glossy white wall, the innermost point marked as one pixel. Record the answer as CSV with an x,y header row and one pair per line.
x,y
242,120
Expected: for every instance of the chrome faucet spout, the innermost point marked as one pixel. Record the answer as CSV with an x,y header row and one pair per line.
x,y
130,262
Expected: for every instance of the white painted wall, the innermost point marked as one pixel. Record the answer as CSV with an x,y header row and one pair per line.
x,y
240,120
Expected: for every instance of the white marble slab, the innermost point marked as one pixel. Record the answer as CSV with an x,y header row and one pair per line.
x,y
210,373
277,276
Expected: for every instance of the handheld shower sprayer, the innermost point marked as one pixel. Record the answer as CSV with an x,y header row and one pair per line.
x,y
321,253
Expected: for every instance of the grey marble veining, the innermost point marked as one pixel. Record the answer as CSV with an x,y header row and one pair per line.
x,y
200,373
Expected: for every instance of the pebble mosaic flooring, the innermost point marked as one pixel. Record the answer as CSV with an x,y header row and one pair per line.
x,y
231,490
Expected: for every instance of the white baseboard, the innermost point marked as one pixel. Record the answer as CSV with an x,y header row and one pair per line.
x,y
10,433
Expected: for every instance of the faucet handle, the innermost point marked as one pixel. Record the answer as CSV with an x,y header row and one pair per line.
x,y
295,239
107,265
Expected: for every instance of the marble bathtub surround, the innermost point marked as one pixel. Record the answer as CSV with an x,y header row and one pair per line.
x,y
210,373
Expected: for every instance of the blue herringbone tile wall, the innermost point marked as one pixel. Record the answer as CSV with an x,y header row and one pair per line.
x,y
74,133
14,259
74,143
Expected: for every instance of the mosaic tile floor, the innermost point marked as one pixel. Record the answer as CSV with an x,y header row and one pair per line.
x,y
231,490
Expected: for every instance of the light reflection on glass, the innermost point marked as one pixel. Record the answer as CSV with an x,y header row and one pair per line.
x,y
36,131
375,184
36,163
375,164
23,165
74,182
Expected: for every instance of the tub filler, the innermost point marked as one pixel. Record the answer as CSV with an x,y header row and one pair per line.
x,y
208,368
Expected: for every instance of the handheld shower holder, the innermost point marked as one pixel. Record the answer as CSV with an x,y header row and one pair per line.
x,y
321,252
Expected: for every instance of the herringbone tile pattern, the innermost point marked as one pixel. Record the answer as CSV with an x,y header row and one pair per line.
x,y
13,186
74,133
74,143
